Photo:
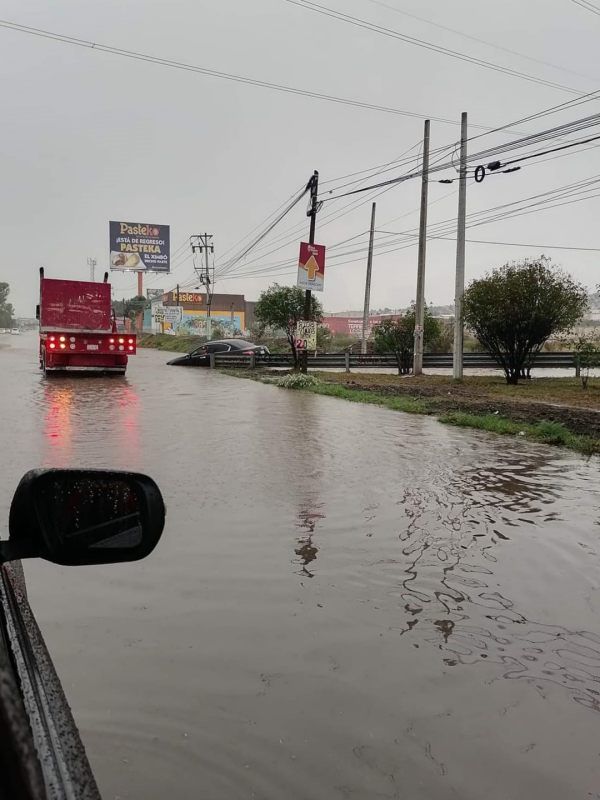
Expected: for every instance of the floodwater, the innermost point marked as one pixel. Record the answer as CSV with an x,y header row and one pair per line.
x,y
347,602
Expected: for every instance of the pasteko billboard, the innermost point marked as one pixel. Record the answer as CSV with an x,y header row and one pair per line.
x,y
139,246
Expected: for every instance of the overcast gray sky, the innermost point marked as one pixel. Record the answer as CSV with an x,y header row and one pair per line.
x,y
89,136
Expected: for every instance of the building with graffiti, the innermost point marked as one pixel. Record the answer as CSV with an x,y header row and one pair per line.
x,y
185,313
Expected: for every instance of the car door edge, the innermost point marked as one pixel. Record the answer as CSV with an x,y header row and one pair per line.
x,y
64,764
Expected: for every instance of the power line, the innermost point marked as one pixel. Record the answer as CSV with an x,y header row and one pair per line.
x,y
527,244
233,261
493,152
478,40
391,33
264,222
179,65
588,6
576,192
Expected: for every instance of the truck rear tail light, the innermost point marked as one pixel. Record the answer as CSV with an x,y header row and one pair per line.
x,y
130,341
52,338
72,346
63,339
130,347
52,345
62,345
111,346
72,339
111,341
121,347
121,341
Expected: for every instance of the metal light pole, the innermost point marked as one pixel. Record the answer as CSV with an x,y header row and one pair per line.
x,y
420,299
365,323
459,287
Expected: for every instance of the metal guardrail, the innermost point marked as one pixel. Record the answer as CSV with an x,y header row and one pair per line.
x,y
349,361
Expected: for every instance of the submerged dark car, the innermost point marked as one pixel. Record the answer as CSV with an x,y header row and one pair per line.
x,y
200,357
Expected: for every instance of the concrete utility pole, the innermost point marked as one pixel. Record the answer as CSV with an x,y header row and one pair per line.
x,y
365,325
312,213
92,265
420,300
459,287
202,243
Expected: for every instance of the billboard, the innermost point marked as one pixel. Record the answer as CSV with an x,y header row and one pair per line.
x,y
139,246
352,326
311,266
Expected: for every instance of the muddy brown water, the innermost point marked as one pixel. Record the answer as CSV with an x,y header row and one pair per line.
x,y
347,602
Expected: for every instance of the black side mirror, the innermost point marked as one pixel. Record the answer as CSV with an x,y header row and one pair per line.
x,y
73,517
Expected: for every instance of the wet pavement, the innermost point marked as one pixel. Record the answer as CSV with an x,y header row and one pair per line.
x,y
347,602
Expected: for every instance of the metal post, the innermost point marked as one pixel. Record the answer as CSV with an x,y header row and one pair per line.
x,y
211,360
365,324
420,299
140,281
459,287
208,291
347,360
314,188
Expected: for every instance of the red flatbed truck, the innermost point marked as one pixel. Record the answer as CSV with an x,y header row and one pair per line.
x,y
78,331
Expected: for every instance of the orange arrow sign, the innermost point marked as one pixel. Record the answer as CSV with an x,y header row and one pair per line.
x,y
312,268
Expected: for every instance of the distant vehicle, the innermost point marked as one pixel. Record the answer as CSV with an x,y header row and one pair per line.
x,y
15,331
78,331
200,357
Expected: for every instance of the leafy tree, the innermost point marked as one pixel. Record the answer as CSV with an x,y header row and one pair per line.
x,y
6,309
513,310
587,349
281,308
397,336
324,338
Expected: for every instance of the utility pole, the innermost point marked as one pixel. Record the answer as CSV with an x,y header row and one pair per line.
x,y
363,343
459,287
92,265
312,213
177,295
202,243
420,299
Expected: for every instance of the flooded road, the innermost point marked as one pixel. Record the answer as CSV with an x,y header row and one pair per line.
x,y
347,602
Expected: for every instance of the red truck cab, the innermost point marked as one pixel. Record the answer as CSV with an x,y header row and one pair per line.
x,y
78,332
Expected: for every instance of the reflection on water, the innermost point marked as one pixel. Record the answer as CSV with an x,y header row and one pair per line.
x,y
92,418
307,550
451,541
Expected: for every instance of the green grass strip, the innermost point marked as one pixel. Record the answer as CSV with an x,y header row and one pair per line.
x,y
410,405
545,431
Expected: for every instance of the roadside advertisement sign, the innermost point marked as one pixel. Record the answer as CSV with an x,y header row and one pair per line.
x,y
170,314
311,266
139,246
306,335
